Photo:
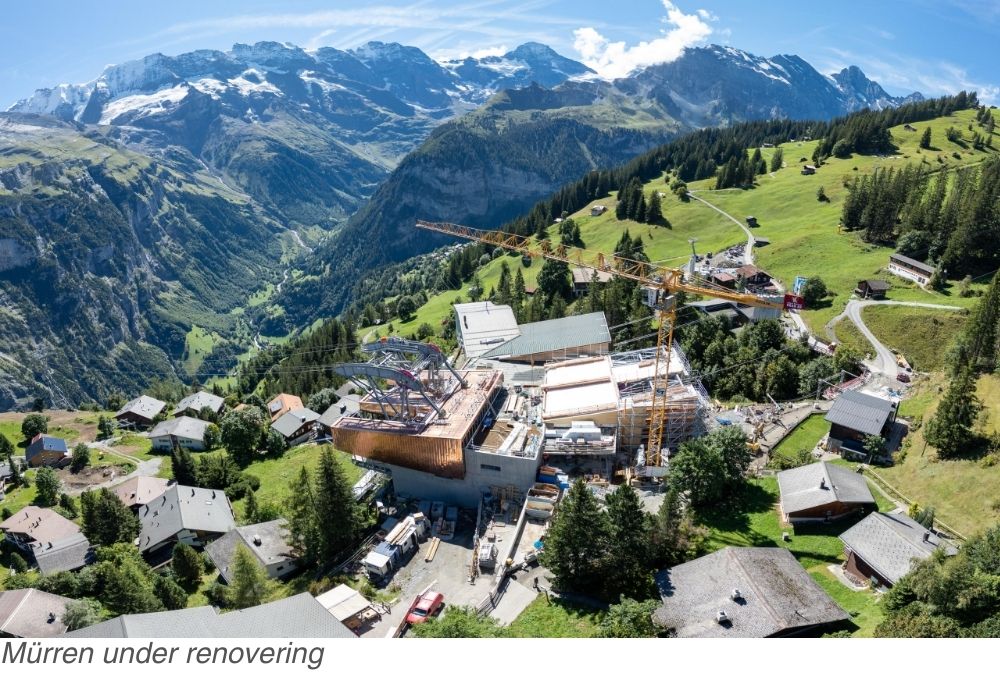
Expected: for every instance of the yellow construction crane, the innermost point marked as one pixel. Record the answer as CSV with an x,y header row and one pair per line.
x,y
664,281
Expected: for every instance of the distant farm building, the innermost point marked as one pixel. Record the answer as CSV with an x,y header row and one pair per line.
x,y
583,277
46,451
598,209
193,405
808,170
908,268
179,432
140,412
872,289
752,221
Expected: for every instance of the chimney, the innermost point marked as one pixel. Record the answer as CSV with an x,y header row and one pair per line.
x,y
256,540
927,536
822,483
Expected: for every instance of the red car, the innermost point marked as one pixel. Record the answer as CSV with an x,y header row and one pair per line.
x,y
424,606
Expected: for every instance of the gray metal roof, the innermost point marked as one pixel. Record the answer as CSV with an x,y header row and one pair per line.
x,y
890,542
293,420
819,484
202,399
273,546
777,595
65,555
347,405
860,412
144,406
191,428
181,623
30,613
299,616
924,267
183,507
548,336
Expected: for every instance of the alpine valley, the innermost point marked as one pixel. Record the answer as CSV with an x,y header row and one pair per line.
x,y
157,221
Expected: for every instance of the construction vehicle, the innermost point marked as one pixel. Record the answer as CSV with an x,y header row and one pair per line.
x,y
664,282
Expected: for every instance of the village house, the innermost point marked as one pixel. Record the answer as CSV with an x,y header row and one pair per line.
x,y
138,491
268,542
193,405
872,289
744,593
908,268
598,209
299,616
808,170
297,426
822,491
47,540
853,416
179,432
281,404
882,548
46,451
30,613
192,515
752,276
139,413
582,278
347,405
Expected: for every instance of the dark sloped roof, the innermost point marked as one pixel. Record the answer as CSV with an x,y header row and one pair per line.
x,y
273,547
819,484
875,284
30,613
293,420
184,507
924,267
555,334
891,542
65,555
860,412
777,595
299,616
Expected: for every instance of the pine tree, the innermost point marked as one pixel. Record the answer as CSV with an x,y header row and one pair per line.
x,y
336,509
250,515
249,586
640,207
185,467
187,565
6,448
503,285
951,428
654,212
577,544
106,520
303,525
777,160
629,554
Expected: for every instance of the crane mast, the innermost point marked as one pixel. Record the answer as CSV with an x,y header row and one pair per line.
x,y
665,280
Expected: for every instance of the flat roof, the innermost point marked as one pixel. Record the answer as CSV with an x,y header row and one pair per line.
x,y
484,325
461,410
578,330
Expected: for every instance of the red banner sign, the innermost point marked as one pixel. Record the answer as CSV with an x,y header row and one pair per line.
x,y
794,301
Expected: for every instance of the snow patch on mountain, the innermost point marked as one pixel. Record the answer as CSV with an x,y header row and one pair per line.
x,y
143,105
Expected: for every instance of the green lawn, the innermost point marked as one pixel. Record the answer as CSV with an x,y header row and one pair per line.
x,y
136,446
921,335
756,522
555,618
197,345
803,437
278,475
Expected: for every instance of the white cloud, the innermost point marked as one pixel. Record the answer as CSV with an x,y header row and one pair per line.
x,y
617,59
499,50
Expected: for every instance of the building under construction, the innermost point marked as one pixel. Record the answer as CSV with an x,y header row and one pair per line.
x,y
436,429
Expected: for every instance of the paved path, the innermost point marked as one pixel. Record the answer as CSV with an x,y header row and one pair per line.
x,y
884,361
748,251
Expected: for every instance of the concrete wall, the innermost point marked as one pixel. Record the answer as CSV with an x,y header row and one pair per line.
x,y
479,478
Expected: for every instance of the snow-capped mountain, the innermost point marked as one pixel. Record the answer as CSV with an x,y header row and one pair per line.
x,y
530,63
718,84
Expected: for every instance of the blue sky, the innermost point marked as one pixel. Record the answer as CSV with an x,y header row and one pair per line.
x,y
934,46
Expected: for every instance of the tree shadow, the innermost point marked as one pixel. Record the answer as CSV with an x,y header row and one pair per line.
x,y
733,516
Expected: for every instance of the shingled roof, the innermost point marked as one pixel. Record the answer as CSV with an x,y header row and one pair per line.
x,y
144,406
30,613
267,541
819,484
860,412
183,507
890,543
776,596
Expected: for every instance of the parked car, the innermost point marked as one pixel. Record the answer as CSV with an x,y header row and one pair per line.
x,y
424,606
902,376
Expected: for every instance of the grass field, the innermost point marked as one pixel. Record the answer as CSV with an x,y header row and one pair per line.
x,y
804,232
964,492
921,335
277,475
197,345
756,522
555,618
803,437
